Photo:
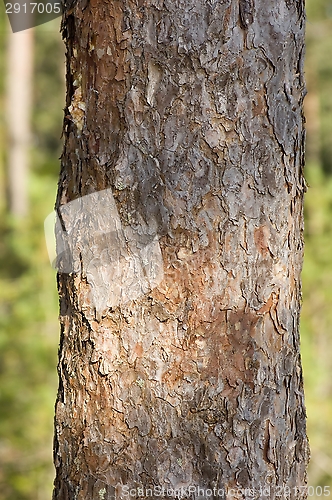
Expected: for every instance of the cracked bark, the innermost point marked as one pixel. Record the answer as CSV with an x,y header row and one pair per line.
x,y
190,111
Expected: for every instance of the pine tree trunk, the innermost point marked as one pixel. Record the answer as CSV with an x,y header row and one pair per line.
x,y
190,112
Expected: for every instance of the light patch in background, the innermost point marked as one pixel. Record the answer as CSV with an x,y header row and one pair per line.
x,y
120,263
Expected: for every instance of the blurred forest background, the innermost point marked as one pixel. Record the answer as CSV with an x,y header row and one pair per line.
x,y
28,299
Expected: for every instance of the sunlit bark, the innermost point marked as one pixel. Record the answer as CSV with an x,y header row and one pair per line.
x,y
190,112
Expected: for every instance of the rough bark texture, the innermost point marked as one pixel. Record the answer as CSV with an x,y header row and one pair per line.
x,y
191,112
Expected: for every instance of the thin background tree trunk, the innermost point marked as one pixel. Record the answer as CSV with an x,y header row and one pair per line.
x,y
19,96
191,112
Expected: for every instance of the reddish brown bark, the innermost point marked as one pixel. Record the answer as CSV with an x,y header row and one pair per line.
x,y
191,113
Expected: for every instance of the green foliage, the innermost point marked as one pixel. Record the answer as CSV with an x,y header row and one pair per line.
x,y
316,319
29,329
318,10
28,342
319,72
49,99
315,322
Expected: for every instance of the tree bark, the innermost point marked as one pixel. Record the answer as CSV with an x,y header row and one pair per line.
x,y
190,112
